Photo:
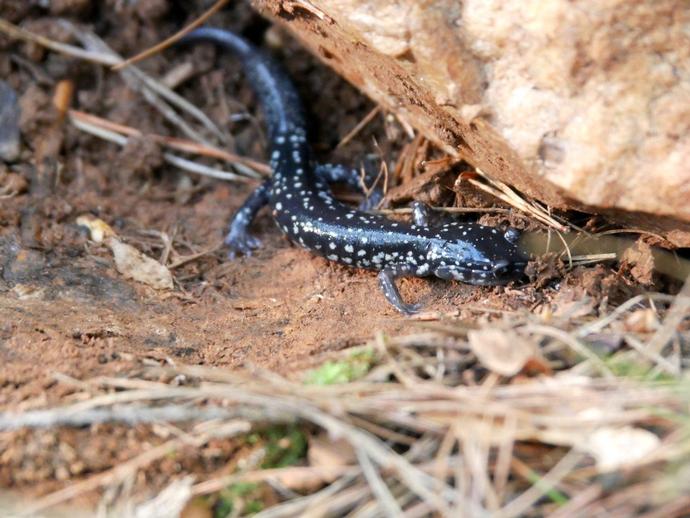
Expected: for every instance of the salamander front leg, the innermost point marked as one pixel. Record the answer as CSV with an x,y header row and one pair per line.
x,y
239,239
390,291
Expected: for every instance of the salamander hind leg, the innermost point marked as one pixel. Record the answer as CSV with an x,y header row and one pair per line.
x,y
338,173
421,213
390,291
239,240
332,173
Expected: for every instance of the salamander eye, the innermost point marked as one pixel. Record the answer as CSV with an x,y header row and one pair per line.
x,y
512,235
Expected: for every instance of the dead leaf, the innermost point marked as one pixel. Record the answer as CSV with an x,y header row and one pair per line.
x,y
642,321
572,303
615,448
324,451
501,351
169,502
131,263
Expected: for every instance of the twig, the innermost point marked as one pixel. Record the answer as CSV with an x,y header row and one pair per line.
x,y
182,163
187,258
359,126
195,167
98,52
598,325
172,39
518,506
652,356
504,192
128,415
69,50
175,143
451,210
389,505
573,343
679,310
152,89
261,475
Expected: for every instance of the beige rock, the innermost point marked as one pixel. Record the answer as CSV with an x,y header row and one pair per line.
x,y
579,103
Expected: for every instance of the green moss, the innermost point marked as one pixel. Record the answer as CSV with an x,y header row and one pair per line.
x,y
285,446
351,368
243,494
624,367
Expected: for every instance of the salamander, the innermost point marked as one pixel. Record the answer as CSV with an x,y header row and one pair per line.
x,y
306,211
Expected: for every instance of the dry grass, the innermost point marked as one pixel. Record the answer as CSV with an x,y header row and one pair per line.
x,y
520,416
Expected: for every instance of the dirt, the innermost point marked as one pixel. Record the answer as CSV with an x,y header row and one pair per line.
x,y
67,312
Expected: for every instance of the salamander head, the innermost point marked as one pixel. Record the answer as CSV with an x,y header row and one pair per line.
x,y
477,255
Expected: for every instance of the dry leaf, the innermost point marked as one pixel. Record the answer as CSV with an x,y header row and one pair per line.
x,y
131,263
614,448
642,321
306,479
572,303
324,451
168,503
501,351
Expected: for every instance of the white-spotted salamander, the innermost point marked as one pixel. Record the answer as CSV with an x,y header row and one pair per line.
x,y
308,214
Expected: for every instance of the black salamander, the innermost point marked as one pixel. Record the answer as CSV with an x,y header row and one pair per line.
x,y
308,214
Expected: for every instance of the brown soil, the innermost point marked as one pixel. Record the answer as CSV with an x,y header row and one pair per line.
x,y
65,311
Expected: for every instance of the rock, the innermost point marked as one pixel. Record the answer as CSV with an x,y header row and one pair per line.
x,y
9,123
582,104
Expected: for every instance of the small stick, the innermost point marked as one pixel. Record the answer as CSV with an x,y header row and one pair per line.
x,y
175,143
138,80
182,163
452,210
70,50
129,415
359,127
381,491
192,257
677,312
172,39
508,195
152,89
